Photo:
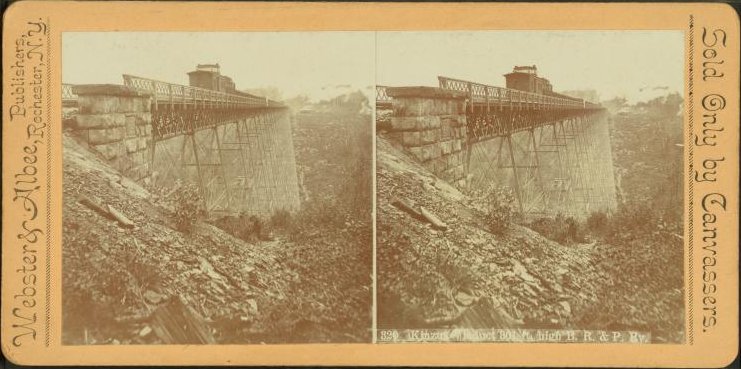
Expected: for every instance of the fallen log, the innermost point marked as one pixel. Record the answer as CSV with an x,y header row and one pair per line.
x,y
433,219
120,217
405,206
92,204
420,213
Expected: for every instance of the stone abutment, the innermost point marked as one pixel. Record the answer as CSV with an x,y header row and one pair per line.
x,y
116,122
430,123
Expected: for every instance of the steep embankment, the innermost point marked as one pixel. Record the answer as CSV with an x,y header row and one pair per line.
x,y
115,277
135,283
333,232
647,150
429,276
465,276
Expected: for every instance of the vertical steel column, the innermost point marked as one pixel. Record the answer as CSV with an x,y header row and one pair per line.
x,y
580,164
151,134
581,141
255,158
573,178
514,173
537,166
227,188
560,170
595,172
198,169
243,162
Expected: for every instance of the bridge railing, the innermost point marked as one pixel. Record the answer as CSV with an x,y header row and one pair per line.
x,y
381,94
181,95
484,94
383,100
69,98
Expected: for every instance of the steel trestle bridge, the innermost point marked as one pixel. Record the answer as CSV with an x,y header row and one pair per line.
x,y
552,150
236,147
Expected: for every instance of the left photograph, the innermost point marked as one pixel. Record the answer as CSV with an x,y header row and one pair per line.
x,y
217,187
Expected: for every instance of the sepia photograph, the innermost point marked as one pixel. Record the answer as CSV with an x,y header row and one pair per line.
x,y
217,187
530,186
440,184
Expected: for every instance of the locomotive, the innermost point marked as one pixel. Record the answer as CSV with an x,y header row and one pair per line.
x,y
525,78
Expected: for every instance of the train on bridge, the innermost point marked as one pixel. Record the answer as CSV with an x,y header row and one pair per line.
x,y
524,89
525,78
209,77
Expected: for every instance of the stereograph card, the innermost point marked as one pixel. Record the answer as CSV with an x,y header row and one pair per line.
x,y
197,183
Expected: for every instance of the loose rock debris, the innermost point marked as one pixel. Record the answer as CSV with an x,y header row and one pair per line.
x,y
140,284
467,277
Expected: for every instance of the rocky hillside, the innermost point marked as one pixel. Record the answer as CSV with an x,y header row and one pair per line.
x,y
647,141
462,275
131,277
116,276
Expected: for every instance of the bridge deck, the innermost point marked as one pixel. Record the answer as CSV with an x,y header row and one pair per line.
x,y
493,97
495,111
483,95
179,109
170,95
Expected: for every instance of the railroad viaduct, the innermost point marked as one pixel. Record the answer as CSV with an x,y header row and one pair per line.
x,y
236,148
553,152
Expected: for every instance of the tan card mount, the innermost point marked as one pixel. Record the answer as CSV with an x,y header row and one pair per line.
x,y
370,184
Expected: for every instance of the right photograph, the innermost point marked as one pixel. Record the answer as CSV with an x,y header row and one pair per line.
x,y
530,186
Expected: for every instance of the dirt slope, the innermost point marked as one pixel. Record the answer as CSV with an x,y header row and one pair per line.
x,y
115,276
429,275
310,284
468,277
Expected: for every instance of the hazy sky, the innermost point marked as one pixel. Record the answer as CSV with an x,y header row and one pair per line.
x,y
615,63
611,62
295,62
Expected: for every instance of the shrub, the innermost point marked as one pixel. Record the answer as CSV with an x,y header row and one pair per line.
x,y
249,228
500,210
187,204
327,212
632,220
597,222
571,231
281,219
561,229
